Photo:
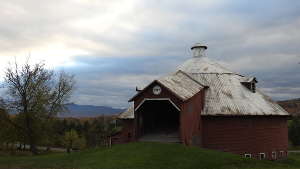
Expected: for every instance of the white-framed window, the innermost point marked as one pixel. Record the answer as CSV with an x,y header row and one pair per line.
x,y
262,156
274,155
247,155
281,153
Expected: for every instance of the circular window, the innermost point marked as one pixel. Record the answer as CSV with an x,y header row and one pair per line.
x,y
156,90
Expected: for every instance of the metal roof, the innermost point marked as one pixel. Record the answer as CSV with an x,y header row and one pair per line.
x,y
181,84
202,65
127,114
248,79
227,96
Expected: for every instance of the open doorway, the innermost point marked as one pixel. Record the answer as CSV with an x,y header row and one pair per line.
x,y
158,121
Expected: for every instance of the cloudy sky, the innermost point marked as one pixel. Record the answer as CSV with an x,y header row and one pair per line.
x,y
113,46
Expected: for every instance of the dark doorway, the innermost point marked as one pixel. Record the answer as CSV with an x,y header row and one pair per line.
x,y
159,120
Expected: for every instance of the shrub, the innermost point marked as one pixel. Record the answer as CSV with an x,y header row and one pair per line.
x,y
294,131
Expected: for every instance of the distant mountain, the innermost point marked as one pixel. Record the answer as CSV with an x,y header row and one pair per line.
x,y
75,110
292,106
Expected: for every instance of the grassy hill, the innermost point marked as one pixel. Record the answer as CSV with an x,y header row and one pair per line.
x,y
145,156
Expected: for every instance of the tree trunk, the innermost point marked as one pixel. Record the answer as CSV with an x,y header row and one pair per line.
x,y
29,133
68,150
70,146
32,145
110,142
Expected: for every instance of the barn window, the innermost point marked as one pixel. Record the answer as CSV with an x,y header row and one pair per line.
x,y
250,83
247,155
274,155
262,156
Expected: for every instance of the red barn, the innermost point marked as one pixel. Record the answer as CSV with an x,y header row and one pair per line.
x,y
207,105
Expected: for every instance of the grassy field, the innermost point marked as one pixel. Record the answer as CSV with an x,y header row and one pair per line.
x,y
145,156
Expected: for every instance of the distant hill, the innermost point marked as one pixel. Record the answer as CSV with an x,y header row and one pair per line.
x,y
78,111
292,106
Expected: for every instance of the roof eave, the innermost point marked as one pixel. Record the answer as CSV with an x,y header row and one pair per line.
x,y
130,100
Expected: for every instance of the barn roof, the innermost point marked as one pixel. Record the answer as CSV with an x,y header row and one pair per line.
x,y
180,84
248,79
127,114
226,95
203,65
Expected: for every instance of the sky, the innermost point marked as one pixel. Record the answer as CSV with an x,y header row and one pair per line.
x,y
113,46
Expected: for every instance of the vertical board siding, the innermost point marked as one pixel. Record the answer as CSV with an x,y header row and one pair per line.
x,y
165,93
245,134
128,128
191,120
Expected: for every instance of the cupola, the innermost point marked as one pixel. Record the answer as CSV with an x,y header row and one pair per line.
x,y
198,50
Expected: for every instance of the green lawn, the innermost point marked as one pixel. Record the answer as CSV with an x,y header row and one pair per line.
x,y
145,156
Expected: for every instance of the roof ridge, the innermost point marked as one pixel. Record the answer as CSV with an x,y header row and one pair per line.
x,y
186,74
221,74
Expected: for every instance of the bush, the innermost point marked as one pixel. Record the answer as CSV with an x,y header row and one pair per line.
x,y
294,131
79,144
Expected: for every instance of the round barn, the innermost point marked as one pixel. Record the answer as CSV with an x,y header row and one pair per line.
x,y
207,105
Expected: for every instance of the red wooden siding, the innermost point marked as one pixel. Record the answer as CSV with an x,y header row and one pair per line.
x,y
190,121
127,134
165,93
246,134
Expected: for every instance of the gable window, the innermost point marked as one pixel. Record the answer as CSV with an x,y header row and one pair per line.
x,y
250,84
247,155
262,156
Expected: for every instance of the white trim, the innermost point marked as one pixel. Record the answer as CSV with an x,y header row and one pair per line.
x,y
156,90
145,99
262,154
275,155
247,154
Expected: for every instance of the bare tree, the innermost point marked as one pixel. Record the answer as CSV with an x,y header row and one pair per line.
x,y
37,95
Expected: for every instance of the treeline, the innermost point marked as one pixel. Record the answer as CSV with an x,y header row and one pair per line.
x,y
294,131
92,132
71,134
37,95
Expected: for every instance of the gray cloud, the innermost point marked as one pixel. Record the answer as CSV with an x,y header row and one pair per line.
x,y
129,43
